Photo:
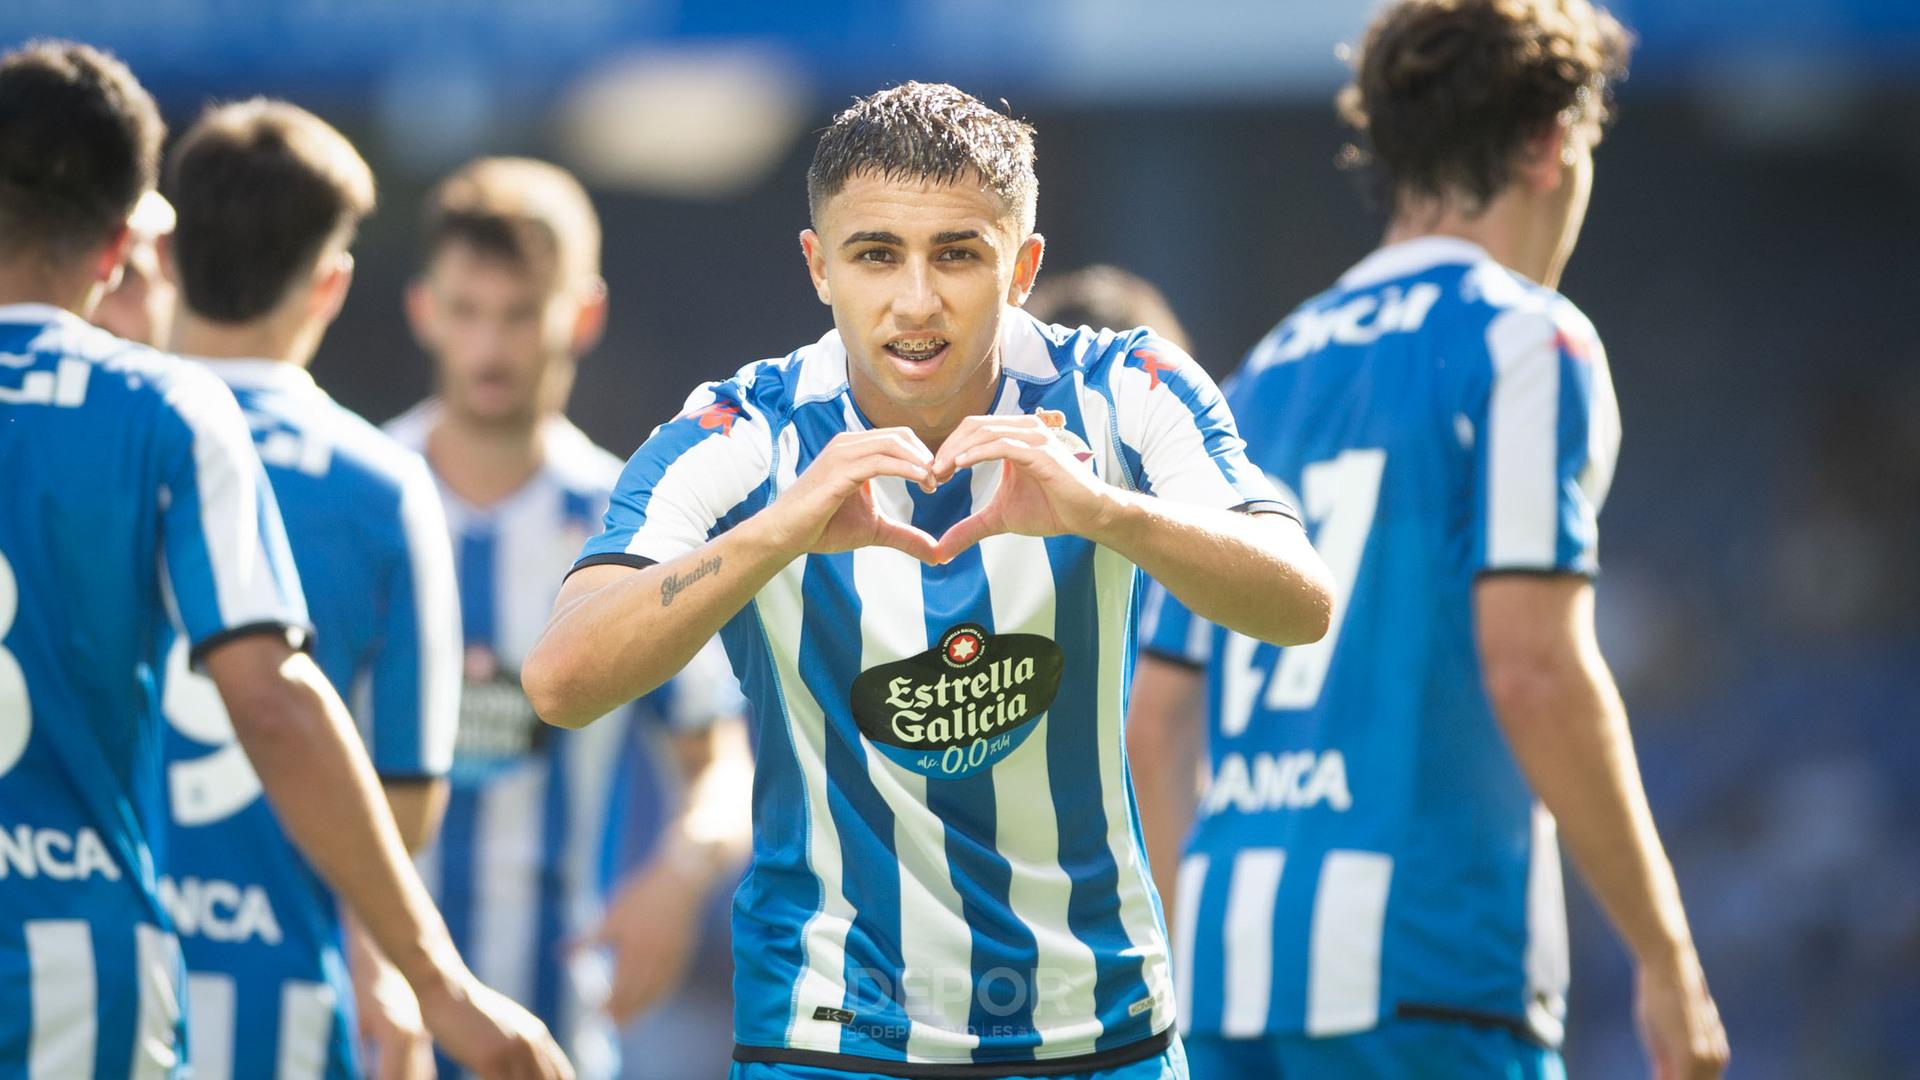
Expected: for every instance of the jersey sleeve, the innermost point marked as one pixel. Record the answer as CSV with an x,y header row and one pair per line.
x,y
222,541
1177,434
412,698
1547,441
690,474
1171,632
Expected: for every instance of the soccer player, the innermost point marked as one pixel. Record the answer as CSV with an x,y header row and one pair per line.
x,y
140,307
269,197
1372,886
508,301
134,492
920,535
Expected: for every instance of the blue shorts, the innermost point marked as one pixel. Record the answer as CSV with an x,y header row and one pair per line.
x,y
1171,1065
1428,1049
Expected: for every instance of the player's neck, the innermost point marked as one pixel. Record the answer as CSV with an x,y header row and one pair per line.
x,y
485,461
27,280
1511,228
271,337
931,424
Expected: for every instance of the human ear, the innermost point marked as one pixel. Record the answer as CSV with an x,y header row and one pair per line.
x,y
1026,268
814,249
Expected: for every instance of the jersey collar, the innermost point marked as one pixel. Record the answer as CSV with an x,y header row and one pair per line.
x,y
1411,257
36,312
256,374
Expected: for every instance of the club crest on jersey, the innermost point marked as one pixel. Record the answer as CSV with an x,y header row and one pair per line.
x,y
963,704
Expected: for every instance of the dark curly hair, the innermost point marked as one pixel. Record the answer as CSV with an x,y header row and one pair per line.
x,y
1447,92
926,131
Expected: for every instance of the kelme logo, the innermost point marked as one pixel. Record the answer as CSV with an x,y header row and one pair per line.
x,y
961,705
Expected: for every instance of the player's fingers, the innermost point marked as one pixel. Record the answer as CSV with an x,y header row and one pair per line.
x,y
866,468
965,533
898,438
901,537
1024,429
1018,449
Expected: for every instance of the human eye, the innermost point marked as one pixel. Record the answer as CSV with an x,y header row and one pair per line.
x,y
957,255
873,255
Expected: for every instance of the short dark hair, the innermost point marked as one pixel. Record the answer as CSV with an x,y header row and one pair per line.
x,y
79,144
1105,297
261,189
1447,92
926,131
532,214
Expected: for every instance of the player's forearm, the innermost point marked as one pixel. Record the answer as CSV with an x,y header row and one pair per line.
x,y
1252,573
714,829
323,791
613,639
1568,730
1164,744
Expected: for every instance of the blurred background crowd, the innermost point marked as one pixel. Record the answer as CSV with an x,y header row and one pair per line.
x,y
1749,260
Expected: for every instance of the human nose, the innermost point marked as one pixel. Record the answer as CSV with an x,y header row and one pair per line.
x,y
917,301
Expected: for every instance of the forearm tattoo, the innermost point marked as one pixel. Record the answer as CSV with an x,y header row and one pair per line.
x,y
677,583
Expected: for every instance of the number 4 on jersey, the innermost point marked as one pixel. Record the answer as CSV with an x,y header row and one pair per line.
x,y
1341,497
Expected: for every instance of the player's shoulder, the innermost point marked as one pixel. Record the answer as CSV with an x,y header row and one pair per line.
x,y
1114,362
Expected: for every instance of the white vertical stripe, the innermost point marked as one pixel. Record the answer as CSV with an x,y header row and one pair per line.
x,y
824,938
226,475
1603,430
306,1027
1186,923
65,1005
1343,953
1020,581
936,946
436,612
507,864
593,756
155,1050
1546,957
1248,941
211,1001
1139,914
1523,435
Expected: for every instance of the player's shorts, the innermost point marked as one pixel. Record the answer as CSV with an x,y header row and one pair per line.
x,y
1397,1049
1171,1065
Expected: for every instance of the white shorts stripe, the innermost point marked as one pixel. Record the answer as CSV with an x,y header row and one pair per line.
x,y
65,1007
1186,922
1343,953
211,1001
156,1053
306,1028
1248,941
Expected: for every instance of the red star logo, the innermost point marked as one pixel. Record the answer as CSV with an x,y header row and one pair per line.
x,y
1153,364
962,648
1572,346
721,415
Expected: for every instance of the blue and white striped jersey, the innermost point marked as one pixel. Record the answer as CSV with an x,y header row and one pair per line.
x,y
268,990
946,866
530,839
1367,846
131,490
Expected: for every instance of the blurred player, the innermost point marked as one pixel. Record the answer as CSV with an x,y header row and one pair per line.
x,y
140,307
134,494
269,198
1106,296
1373,886
946,877
509,298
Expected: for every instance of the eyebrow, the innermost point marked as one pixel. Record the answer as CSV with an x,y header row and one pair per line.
x,y
956,237
872,237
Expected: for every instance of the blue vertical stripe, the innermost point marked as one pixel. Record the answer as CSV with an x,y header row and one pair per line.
x,y
479,547
556,823
455,887
955,593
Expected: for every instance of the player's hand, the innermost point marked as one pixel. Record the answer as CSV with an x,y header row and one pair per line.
x,y
1045,490
490,1035
830,507
393,1035
651,928
1679,1023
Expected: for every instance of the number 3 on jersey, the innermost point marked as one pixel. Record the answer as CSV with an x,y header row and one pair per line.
x,y
1342,495
214,787
16,711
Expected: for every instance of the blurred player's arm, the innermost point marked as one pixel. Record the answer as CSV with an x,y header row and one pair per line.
x,y
1563,717
1166,735
393,1034
620,631
652,926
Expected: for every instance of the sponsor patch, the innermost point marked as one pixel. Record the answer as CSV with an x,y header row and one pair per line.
x,y
961,705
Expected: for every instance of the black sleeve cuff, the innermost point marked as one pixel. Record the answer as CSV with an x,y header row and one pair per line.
x,y
618,558
1270,506
1533,572
298,635
1173,658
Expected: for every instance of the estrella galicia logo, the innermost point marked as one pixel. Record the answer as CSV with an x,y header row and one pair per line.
x,y
962,705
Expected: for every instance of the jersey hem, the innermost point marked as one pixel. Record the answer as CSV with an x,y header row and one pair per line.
x,y
1174,658
617,558
1534,571
1453,1014
1113,1057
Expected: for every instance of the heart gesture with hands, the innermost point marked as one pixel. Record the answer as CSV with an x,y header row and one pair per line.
x,y
1044,490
